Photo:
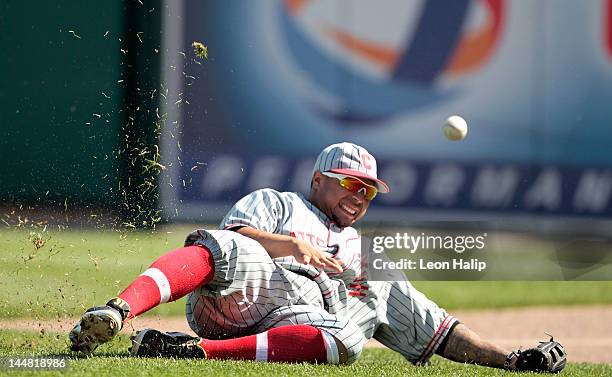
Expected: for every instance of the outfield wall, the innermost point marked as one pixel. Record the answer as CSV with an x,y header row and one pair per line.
x,y
285,78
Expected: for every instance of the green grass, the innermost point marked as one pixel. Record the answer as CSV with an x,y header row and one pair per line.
x,y
112,359
503,294
77,269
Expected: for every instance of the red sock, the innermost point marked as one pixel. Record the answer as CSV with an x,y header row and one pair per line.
x,y
169,278
293,343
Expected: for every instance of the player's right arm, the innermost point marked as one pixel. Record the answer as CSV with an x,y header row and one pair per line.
x,y
279,245
260,216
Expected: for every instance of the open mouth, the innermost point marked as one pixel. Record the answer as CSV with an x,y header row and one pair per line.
x,y
349,209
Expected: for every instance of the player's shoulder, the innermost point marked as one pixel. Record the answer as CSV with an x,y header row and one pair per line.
x,y
270,192
272,195
264,192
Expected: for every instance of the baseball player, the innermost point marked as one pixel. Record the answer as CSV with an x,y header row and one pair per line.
x,y
282,281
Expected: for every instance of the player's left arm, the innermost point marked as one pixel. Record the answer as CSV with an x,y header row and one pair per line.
x,y
465,346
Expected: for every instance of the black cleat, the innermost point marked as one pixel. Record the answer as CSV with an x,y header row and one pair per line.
x,y
154,343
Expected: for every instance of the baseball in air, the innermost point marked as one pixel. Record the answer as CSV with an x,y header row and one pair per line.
x,y
455,128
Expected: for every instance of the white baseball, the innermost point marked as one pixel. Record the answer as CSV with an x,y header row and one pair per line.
x,y
455,128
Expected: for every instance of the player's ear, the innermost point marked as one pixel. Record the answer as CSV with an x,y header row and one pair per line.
x,y
315,183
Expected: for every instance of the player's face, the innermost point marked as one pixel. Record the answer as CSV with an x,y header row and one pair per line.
x,y
339,204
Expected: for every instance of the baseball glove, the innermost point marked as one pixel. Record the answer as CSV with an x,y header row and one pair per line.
x,y
547,357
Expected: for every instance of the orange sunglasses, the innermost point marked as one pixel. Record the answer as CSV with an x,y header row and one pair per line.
x,y
354,184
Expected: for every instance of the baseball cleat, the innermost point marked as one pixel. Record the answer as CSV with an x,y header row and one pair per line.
x,y
98,325
154,343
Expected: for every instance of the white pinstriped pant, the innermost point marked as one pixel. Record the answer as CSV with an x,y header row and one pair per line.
x,y
401,318
250,294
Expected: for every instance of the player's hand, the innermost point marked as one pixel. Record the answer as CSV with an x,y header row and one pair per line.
x,y
306,254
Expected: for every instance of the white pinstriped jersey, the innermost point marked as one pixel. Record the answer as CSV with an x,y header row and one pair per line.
x,y
293,215
393,312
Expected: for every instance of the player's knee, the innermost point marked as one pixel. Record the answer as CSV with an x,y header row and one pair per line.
x,y
348,354
349,342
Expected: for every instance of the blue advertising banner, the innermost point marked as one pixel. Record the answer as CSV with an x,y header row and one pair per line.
x,y
286,78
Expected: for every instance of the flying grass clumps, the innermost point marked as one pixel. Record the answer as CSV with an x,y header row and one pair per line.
x,y
200,49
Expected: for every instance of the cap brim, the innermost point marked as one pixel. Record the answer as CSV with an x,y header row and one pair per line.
x,y
382,187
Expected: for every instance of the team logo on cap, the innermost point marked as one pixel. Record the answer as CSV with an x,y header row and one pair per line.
x,y
378,66
366,161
